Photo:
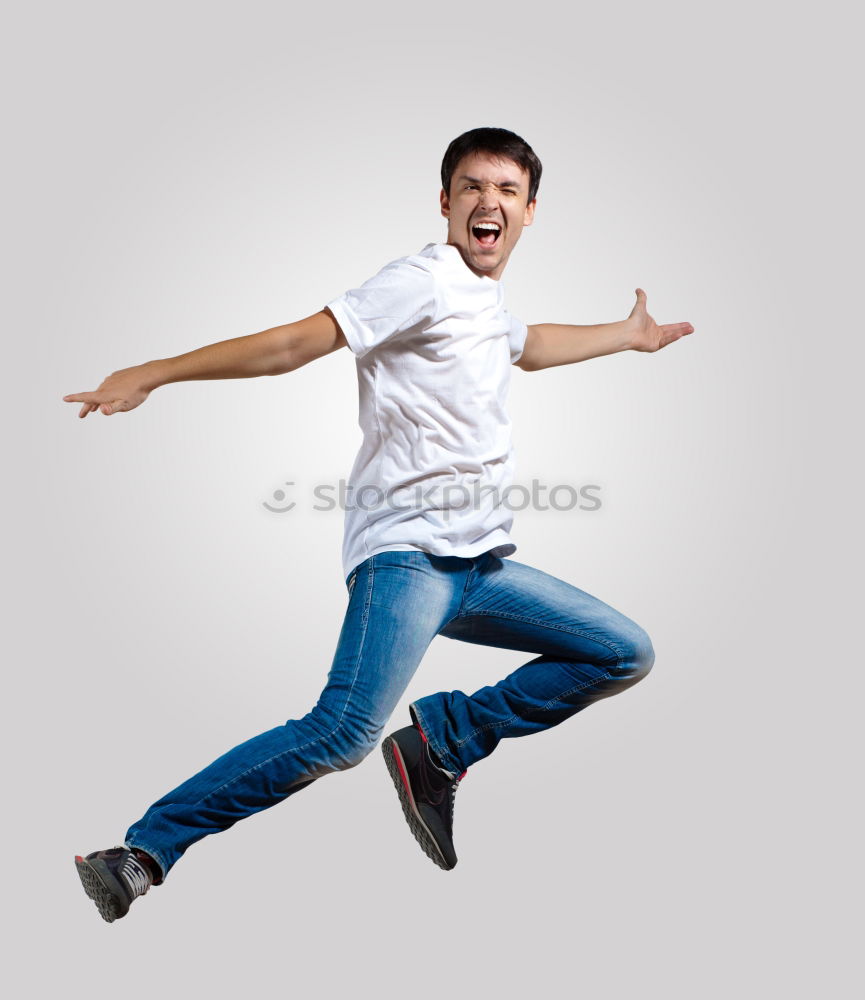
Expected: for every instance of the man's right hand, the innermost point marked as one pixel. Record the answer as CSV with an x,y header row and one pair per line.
x,y
121,391
275,351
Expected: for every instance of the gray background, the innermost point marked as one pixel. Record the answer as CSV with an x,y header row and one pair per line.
x,y
181,174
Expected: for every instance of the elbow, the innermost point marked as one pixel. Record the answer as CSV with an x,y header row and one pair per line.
x,y
528,361
527,364
308,340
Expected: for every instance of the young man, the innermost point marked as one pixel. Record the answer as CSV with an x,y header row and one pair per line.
x,y
429,553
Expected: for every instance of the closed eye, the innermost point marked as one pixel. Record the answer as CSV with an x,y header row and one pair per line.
x,y
504,190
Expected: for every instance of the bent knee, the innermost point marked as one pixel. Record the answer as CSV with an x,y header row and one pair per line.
x,y
343,742
350,747
644,655
356,753
637,656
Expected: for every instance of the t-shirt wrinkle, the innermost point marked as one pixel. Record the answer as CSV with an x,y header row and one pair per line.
x,y
379,451
433,346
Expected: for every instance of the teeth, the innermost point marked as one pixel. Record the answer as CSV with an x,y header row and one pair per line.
x,y
487,225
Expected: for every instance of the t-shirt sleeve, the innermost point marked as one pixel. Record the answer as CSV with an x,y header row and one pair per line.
x,y
397,299
517,337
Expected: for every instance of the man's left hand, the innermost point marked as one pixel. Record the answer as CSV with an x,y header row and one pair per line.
x,y
645,334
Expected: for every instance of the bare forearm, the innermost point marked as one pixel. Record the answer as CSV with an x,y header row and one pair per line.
x,y
272,352
551,344
241,357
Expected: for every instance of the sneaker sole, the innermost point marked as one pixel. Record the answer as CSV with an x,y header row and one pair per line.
x,y
105,891
422,834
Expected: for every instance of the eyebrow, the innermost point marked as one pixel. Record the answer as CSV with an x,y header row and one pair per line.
x,y
474,180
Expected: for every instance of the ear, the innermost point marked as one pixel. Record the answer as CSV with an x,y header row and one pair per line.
x,y
530,212
445,204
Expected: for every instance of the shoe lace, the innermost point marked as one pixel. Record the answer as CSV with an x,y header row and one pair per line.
x,y
455,784
135,876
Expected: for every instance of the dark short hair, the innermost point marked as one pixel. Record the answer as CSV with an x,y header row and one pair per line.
x,y
498,142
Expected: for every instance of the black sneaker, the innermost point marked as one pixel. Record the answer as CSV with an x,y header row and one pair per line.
x,y
113,879
426,792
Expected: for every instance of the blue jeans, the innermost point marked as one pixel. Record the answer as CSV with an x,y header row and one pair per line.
x,y
399,601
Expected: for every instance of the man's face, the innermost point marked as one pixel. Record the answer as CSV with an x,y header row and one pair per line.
x,y
487,192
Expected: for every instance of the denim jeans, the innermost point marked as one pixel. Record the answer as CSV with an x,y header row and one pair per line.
x,y
398,602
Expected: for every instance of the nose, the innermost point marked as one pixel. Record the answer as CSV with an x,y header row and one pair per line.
x,y
488,196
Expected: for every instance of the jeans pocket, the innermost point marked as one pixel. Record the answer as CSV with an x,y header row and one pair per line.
x,y
351,581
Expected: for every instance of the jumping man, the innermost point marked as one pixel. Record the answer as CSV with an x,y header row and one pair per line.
x,y
430,555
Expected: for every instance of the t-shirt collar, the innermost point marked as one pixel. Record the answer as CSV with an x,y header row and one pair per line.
x,y
447,251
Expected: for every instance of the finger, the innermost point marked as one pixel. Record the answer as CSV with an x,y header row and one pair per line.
x,y
674,331
641,295
78,397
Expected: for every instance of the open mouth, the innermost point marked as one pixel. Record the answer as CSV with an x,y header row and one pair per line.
x,y
486,233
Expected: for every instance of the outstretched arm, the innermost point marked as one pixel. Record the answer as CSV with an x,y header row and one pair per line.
x,y
551,344
273,352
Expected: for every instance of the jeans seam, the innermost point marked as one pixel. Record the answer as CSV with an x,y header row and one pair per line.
x,y
303,746
543,708
540,621
559,628
465,590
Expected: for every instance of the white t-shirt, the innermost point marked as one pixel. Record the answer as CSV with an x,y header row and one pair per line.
x,y
434,345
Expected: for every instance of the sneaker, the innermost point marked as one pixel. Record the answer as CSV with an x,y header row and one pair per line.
x,y
113,879
426,792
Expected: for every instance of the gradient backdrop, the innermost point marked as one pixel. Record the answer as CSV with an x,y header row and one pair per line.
x,y
179,174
